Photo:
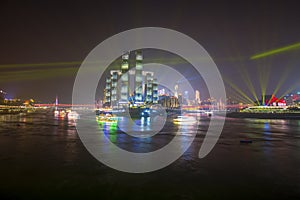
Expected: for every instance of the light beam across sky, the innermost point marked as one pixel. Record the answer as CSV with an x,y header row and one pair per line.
x,y
276,51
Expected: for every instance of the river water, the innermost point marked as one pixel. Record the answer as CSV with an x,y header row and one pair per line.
x,y
42,157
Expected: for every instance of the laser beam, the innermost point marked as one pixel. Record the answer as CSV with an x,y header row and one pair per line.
x,y
276,51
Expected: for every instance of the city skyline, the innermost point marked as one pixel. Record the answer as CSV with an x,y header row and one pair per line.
x,y
173,99
42,51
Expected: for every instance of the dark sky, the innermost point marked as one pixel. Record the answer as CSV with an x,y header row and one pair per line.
x,y
34,32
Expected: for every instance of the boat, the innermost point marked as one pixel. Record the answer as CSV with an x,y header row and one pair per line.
x,y
73,115
106,117
209,113
267,112
185,120
246,141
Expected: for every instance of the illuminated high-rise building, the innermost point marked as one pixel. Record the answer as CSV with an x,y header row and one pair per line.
x,y
124,79
108,91
138,77
176,91
114,87
155,91
186,99
197,97
148,90
130,86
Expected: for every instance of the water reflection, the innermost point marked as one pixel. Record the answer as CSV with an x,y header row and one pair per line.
x,y
139,132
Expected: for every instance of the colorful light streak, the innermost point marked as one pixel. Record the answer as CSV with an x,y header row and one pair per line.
x,y
276,51
237,89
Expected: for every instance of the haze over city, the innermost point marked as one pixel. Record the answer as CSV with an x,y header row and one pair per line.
x,y
43,44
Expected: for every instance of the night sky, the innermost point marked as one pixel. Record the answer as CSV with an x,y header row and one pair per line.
x,y
36,32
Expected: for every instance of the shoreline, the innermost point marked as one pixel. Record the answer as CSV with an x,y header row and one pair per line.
x,y
295,116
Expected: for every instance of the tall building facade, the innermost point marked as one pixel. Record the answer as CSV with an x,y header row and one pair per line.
x,y
107,91
114,87
197,97
117,87
155,91
138,77
148,90
124,79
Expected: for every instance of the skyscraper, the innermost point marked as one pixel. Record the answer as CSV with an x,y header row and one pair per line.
x,y
155,91
197,97
124,79
118,84
148,91
107,91
176,91
138,77
114,87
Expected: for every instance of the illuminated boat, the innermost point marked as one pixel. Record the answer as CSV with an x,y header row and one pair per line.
x,y
185,120
73,115
267,112
107,118
60,114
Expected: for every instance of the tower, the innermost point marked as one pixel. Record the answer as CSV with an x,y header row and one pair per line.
x,y
114,86
138,77
108,91
125,79
154,91
56,103
176,91
148,91
197,97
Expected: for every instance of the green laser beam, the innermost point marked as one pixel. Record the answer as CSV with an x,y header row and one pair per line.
x,y
163,60
236,88
276,51
50,64
36,74
282,79
246,77
239,97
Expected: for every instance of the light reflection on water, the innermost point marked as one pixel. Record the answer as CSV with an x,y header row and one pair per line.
x,y
40,147
127,133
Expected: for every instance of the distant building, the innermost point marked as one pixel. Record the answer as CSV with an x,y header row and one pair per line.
x,y
292,99
197,97
169,101
180,99
271,100
2,96
186,100
176,91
